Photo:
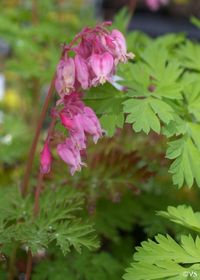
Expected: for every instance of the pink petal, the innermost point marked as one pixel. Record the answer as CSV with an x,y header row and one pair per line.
x,y
65,78
66,122
45,159
102,66
82,73
69,153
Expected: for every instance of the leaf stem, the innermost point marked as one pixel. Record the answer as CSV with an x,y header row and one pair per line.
x,y
24,186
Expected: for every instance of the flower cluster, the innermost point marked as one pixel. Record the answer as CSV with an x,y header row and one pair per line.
x,y
154,5
88,61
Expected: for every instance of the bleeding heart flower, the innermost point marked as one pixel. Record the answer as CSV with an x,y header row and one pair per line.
x,y
91,124
102,66
77,135
120,47
97,51
65,78
70,154
66,122
82,74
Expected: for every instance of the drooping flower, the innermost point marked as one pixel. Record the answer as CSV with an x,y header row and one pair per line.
x,y
120,50
97,51
65,78
102,66
80,120
77,135
84,48
82,73
91,124
66,121
70,154
45,159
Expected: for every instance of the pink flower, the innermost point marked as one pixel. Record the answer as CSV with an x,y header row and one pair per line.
x,y
120,51
154,5
84,49
77,135
72,104
91,124
70,154
65,78
66,122
45,159
102,66
96,51
82,73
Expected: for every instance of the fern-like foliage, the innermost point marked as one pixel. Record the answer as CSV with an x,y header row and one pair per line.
x,y
58,222
85,266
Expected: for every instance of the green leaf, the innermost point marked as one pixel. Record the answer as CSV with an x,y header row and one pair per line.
x,y
86,266
61,222
105,99
162,109
190,55
144,113
186,165
166,259
192,95
183,215
170,40
141,115
122,19
110,122
195,21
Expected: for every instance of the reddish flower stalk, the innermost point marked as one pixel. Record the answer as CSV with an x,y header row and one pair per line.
x,y
38,189
24,186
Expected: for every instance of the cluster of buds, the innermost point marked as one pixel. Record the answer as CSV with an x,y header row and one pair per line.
x,y
154,5
88,61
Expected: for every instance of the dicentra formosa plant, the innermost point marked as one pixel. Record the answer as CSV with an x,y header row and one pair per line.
x,y
88,61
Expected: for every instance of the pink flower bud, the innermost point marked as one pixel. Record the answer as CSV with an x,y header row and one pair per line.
x,y
65,76
81,71
45,159
102,66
